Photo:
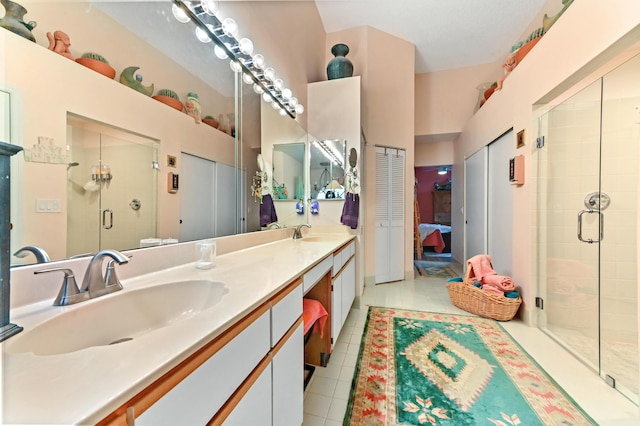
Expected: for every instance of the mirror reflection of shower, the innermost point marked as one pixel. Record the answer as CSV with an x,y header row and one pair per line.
x,y
72,164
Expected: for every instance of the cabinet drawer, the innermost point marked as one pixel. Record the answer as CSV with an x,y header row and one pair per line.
x,y
284,313
201,394
342,257
312,277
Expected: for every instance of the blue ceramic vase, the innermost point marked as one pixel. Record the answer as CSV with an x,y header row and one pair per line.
x,y
339,67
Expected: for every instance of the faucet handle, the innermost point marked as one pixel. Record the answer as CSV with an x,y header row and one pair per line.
x,y
69,292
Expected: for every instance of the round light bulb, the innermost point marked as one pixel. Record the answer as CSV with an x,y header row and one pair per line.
x,y
230,27
269,74
293,101
275,105
202,34
180,14
258,61
278,84
246,46
219,52
247,78
259,90
235,66
210,6
266,97
299,109
282,112
286,93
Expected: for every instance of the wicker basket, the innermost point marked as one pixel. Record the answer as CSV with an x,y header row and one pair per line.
x,y
472,299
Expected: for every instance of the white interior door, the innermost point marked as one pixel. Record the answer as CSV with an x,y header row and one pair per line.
x,y
197,201
500,193
225,197
475,203
390,183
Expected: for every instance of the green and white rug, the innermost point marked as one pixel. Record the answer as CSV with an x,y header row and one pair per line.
x,y
434,269
418,368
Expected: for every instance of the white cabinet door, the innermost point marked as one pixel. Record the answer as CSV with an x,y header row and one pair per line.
x,y
288,382
336,308
202,393
348,290
255,406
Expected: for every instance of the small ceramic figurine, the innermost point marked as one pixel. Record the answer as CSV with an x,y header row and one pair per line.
x,y
192,106
128,78
59,42
508,66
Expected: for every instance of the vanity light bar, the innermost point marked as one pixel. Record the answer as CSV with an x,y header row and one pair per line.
x,y
223,33
330,153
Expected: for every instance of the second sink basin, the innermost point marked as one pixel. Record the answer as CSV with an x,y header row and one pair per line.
x,y
119,317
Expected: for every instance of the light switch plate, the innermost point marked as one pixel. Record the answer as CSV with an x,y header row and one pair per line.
x,y
47,205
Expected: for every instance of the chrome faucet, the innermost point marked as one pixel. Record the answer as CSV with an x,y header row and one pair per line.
x,y
97,285
39,253
69,292
297,234
273,224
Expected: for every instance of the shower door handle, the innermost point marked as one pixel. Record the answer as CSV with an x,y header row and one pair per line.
x,y
104,218
601,217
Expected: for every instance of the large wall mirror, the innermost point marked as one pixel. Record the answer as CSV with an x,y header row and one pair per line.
x,y
49,97
327,169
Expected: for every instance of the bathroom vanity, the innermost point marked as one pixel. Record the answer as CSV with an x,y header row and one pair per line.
x,y
217,346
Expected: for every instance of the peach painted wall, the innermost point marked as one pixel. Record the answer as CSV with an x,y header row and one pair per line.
x,y
434,153
550,69
446,100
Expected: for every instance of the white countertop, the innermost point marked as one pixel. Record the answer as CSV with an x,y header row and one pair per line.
x,y
85,386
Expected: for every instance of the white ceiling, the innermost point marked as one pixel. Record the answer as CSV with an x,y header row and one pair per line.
x,y
448,34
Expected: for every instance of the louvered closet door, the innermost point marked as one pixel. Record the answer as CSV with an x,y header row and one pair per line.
x,y
390,163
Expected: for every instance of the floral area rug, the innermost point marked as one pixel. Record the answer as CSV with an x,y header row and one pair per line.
x,y
434,269
418,368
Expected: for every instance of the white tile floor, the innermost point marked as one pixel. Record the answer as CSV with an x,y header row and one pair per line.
x,y
328,392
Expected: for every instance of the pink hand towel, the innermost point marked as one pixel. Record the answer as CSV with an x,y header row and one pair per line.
x,y
489,288
501,282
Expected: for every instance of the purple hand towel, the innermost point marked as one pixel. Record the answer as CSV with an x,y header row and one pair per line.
x,y
267,211
350,210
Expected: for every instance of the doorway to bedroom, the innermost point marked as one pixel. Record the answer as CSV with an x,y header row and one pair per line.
x,y
432,221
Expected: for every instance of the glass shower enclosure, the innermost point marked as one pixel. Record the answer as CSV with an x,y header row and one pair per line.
x,y
588,225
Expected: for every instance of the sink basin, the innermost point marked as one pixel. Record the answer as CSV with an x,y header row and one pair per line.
x,y
119,317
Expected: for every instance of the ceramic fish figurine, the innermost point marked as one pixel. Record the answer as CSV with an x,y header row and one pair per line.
x,y
128,78
192,107
14,20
